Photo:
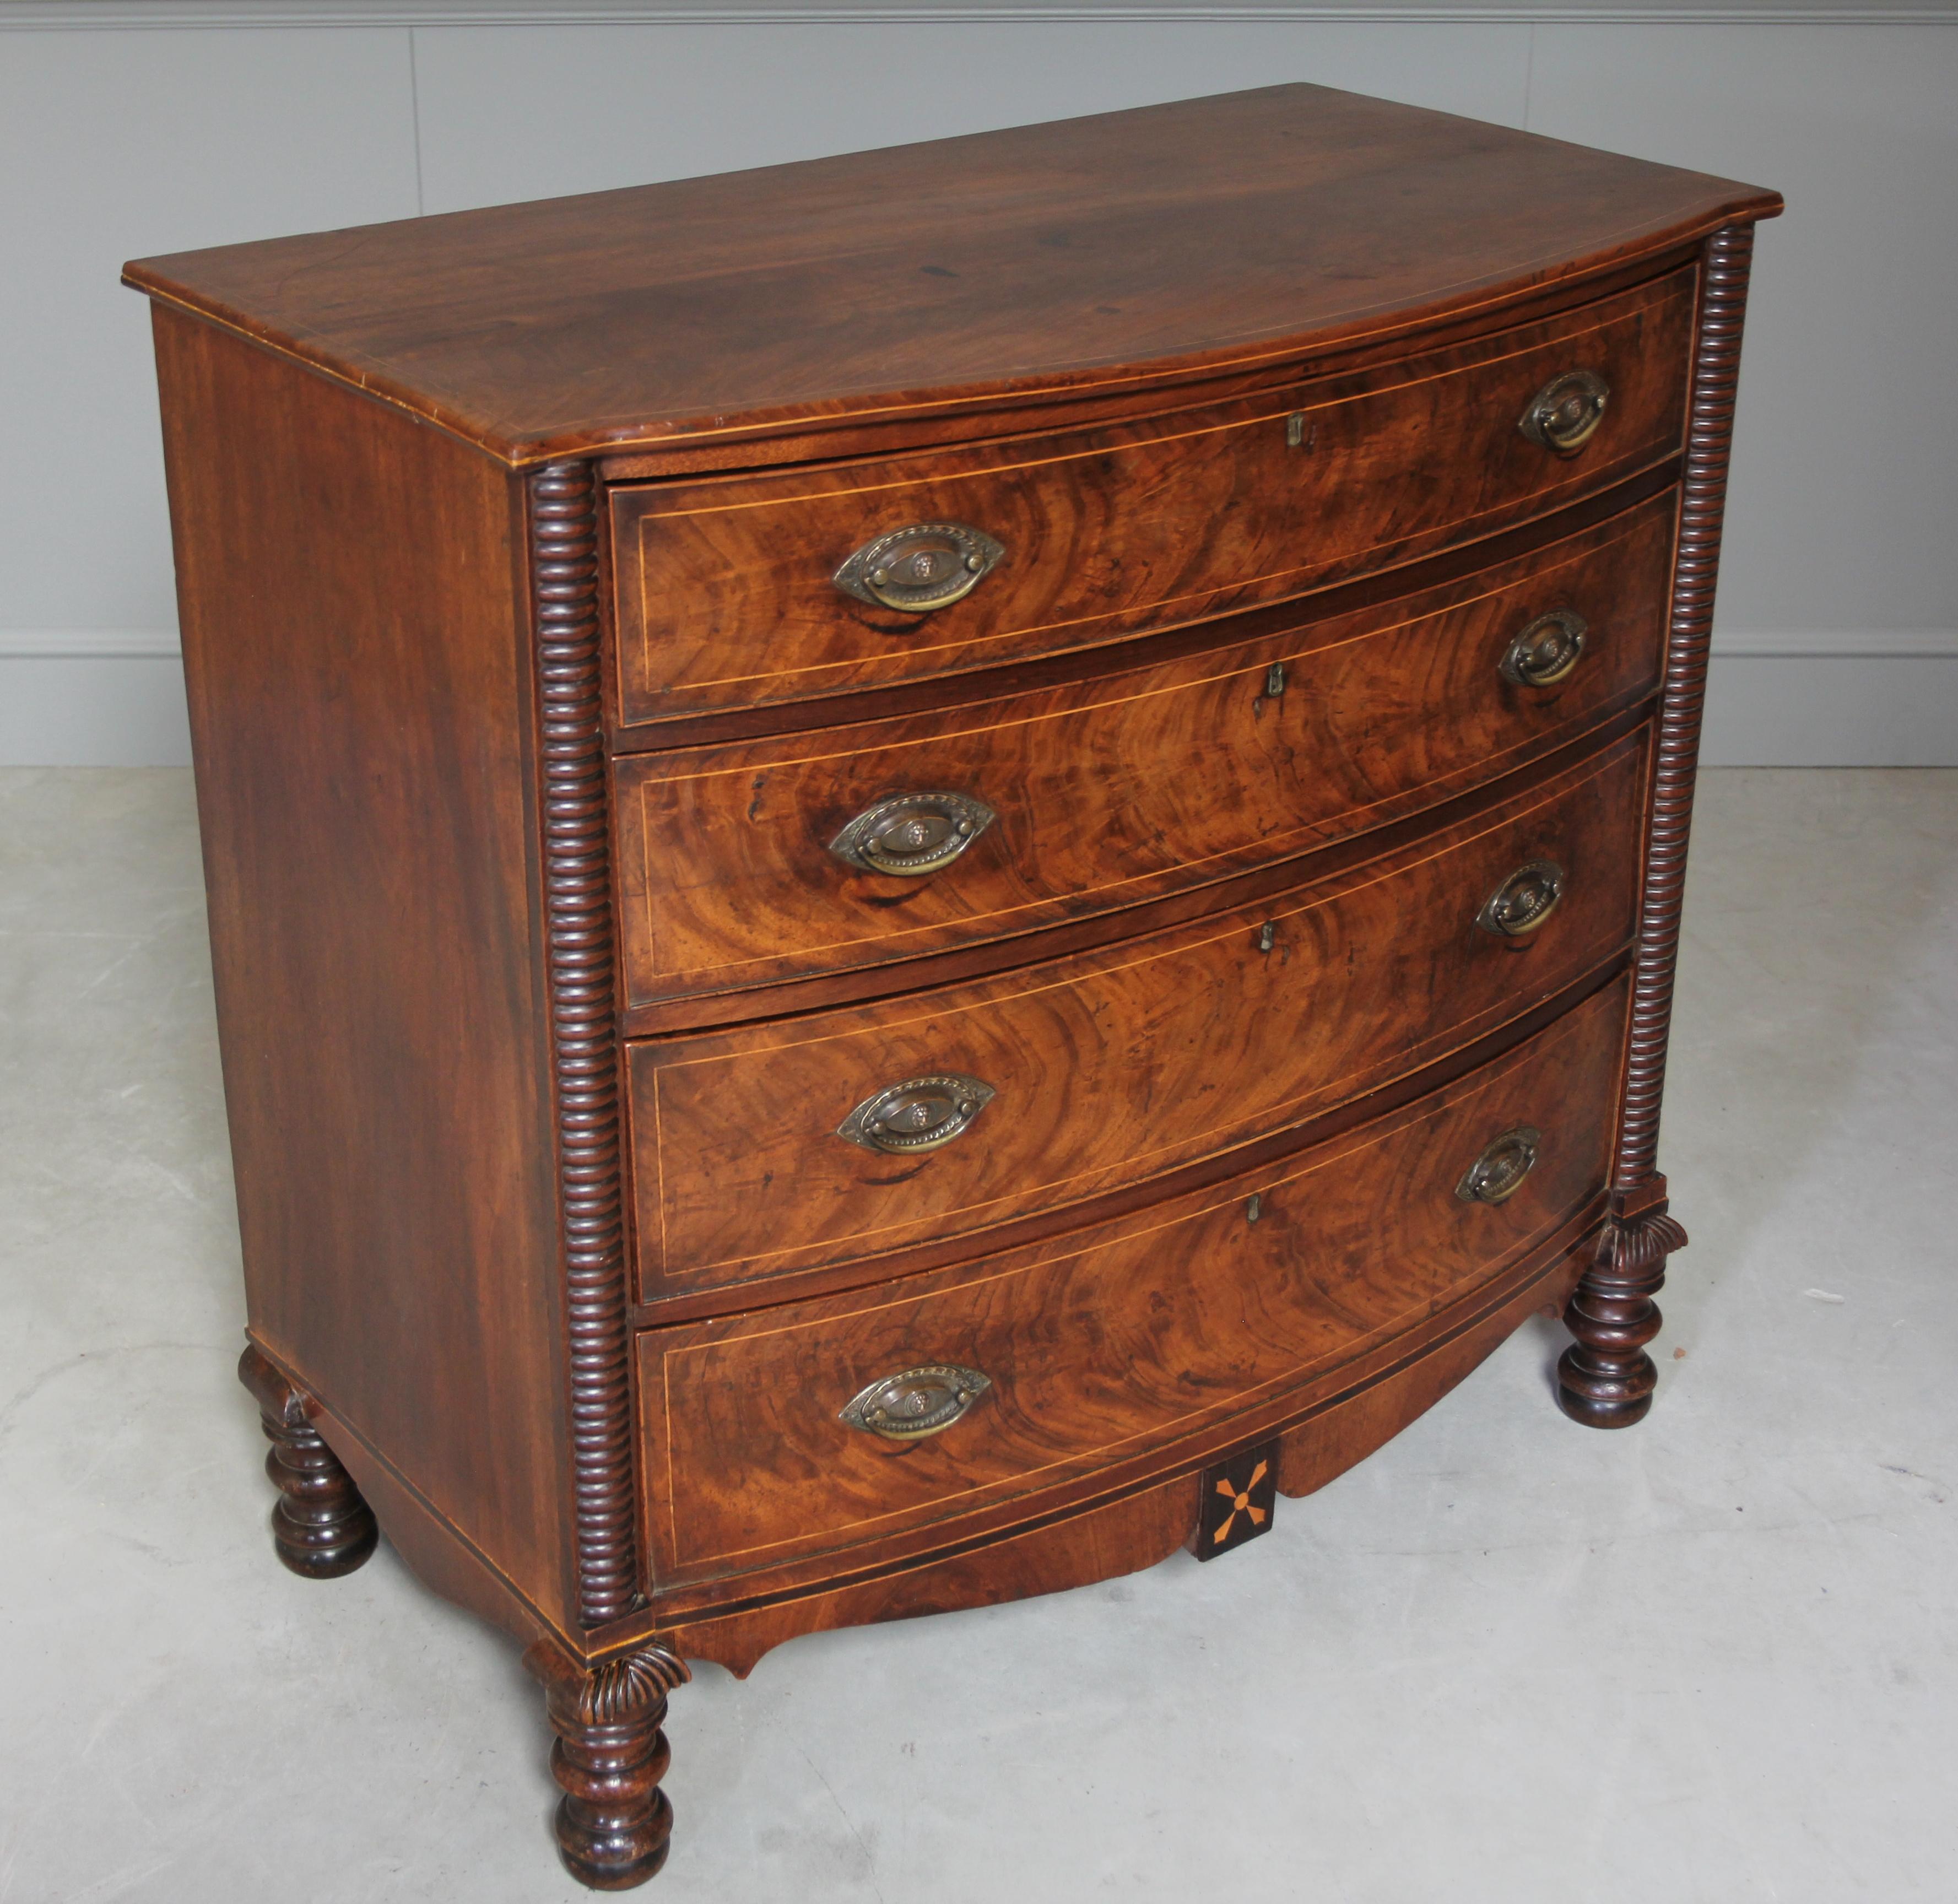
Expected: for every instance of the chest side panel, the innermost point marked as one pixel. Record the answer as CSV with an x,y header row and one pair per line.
x,y
361,709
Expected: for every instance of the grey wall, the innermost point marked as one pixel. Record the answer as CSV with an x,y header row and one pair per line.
x,y
1837,613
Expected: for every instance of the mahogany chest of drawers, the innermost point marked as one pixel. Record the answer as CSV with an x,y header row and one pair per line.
x,y
928,869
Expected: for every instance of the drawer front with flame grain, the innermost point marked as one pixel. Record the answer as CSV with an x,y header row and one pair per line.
x,y
738,866
740,592
824,1139
772,1437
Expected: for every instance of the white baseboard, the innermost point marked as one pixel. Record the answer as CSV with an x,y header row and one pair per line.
x,y
86,699
112,707
1870,700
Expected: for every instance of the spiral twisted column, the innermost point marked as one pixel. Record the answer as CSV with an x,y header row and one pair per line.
x,y
584,1026
1606,1379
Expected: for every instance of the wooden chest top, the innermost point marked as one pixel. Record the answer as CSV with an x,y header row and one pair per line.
x,y
1089,256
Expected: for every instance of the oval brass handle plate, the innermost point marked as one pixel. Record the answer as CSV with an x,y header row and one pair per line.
x,y
928,565
1498,1173
919,1114
1524,901
1547,651
915,1401
912,834
1564,415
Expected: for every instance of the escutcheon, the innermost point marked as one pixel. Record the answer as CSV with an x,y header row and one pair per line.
x,y
1563,416
919,1114
915,1401
925,566
910,834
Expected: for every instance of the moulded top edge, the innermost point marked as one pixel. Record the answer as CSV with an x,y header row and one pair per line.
x,y
1083,256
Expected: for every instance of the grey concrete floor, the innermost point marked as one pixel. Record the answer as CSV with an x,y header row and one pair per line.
x,y
1506,1659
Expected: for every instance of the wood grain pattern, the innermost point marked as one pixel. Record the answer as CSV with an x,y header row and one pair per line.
x,y
1114,1069
1371,1401
1106,253
1120,790
429,1545
578,910
1104,1349
1393,463
1363,1415
1606,1379
1096,1543
884,433
361,707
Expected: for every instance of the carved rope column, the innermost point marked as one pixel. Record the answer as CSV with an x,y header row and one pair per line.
x,y
577,920
1606,1379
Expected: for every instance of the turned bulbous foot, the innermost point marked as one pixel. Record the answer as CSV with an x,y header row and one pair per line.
x,y
1607,1391
613,1823
321,1527
1605,1378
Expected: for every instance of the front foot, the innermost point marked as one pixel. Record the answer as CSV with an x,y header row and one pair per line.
x,y
321,1527
614,1823
1605,1378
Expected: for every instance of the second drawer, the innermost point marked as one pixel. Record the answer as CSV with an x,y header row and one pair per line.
x,y
827,1139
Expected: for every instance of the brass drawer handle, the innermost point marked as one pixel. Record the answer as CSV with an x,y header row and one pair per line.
x,y
1547,651
1524,901
919,1114
912,834
1564,414
1498,1173
928,565
915,1401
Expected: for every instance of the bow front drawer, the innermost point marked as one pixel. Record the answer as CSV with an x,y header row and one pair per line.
x,y
751,862
841,1135
740,591
774,1436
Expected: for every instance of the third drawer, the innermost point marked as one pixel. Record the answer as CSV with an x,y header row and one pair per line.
x,y
1004,1101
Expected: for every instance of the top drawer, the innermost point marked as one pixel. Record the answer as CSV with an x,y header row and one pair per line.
x,y
726,589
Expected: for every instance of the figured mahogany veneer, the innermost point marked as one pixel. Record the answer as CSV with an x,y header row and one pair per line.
x,y
1118,1066
1320,501
1294,488
1126,787
1123,253
1119,1344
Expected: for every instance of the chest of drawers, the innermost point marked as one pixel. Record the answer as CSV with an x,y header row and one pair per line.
x,y
928,869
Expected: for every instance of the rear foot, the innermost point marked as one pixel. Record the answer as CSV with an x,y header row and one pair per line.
x,y
321,1527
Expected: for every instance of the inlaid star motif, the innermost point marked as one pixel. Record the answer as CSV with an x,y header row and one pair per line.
x,y
1240,1503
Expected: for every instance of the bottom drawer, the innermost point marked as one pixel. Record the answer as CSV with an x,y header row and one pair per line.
x,y
1113,1348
